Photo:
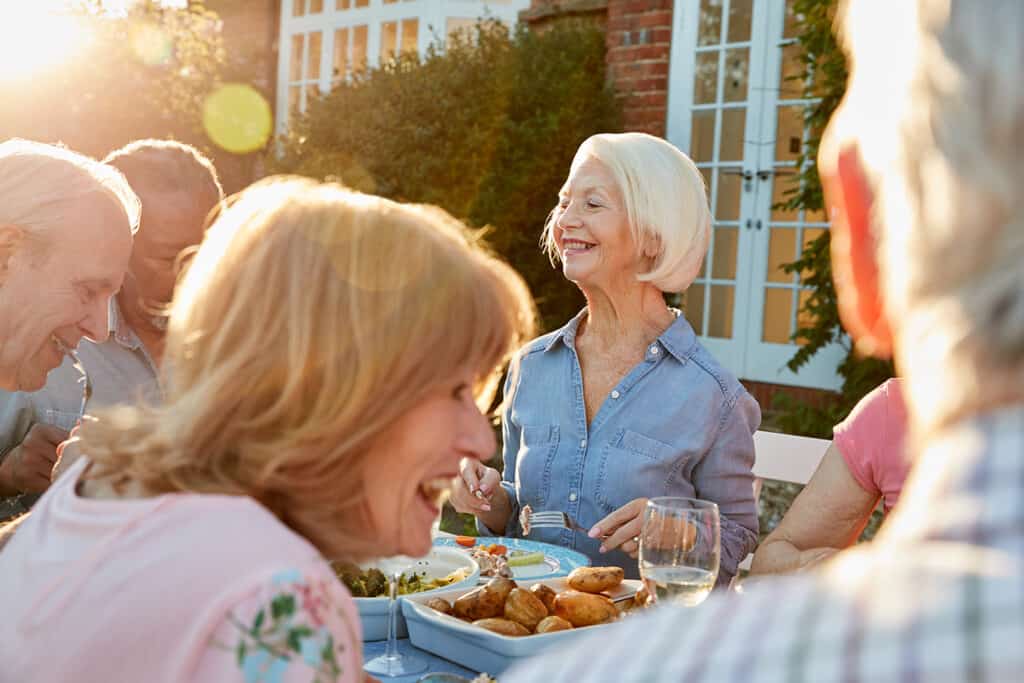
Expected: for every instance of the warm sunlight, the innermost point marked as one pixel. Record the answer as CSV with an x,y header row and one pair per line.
x,y
37,36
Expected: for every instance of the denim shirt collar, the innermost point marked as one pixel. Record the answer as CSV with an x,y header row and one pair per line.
x,y
119,329
679,339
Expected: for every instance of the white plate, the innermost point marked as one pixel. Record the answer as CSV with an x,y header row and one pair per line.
x,y
439,562
558,561
478,648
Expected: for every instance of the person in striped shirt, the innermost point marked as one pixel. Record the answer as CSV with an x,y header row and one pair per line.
x,y
922,168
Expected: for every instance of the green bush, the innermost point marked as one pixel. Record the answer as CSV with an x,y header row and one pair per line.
x,y
484,127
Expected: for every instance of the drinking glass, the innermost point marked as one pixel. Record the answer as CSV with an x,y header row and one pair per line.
x,y
680,546
393,663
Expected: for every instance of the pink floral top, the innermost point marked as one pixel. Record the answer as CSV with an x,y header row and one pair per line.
x,y
180,587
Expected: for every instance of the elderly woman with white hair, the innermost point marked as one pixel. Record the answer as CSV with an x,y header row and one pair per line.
x,y
622,403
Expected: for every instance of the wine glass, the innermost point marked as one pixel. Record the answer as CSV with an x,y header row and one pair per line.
x,y
680,546
393,663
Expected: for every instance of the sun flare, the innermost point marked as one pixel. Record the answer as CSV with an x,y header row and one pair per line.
x,y
36,37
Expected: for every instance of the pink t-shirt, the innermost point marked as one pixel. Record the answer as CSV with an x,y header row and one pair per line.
x,y
871,441
179,587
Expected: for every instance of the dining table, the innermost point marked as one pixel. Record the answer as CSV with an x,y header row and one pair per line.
x,y
435,664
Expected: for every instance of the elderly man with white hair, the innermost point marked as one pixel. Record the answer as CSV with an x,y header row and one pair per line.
x,y
66,226
923,170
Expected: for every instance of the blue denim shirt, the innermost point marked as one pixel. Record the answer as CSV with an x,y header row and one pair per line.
x,y
678,424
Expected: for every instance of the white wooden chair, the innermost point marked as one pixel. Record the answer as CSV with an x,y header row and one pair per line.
x,y
784,457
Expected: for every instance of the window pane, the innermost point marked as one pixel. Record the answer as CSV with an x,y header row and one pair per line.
x,y
298,8
702,136
342,4
388,40
362,3
294,99
358,48
815,216
737,66
789,133
803,318
778,313
709,31
340,54
720,311
410,35
726,242
781,249
454,25
793,21
781,185
705,78
313,60
740,12
693,307
316,6
312,94
734,123
727,207
810,234
791,73
295,65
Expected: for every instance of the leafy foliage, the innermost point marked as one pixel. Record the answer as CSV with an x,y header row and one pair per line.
x,y
484,127
824,80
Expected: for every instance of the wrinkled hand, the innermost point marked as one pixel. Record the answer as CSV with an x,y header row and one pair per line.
x,y
620,528
473,488
26,469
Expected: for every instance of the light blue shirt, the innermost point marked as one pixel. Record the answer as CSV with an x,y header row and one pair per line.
x,y
678,424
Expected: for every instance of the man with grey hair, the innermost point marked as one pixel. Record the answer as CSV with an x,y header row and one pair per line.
x,y
923,171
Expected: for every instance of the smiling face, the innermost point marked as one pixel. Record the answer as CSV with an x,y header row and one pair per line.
x,y
55,293
411,466
591,229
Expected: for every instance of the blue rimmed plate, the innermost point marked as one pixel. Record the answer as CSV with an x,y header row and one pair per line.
x,y
558,561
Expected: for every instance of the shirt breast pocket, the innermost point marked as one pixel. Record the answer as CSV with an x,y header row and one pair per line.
x,y
634,466
534,462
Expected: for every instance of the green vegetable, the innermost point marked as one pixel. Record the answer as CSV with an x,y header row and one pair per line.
x,y
526,558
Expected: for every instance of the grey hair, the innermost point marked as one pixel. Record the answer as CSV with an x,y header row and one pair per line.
x,y
946,154
168,166
41,185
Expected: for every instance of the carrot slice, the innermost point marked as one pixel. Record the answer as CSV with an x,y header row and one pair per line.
x,y
466,541
498,549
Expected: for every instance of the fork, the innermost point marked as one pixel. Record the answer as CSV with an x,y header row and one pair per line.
x,y
554,520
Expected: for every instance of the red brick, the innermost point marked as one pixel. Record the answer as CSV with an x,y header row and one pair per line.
x,y
654,20
661,35
646,84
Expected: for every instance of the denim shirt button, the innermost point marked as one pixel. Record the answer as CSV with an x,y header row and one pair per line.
x,y
654,350
583,443
615,394
572,496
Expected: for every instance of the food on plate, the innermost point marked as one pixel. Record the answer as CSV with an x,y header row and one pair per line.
x,y
595,579
502,585
524,519
466,541
642,597
502,626
584,609
440,604
484,601
552,624
523,607
491,564
521,558
371,583
546,594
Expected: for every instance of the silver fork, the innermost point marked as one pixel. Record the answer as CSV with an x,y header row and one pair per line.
x,y
554,520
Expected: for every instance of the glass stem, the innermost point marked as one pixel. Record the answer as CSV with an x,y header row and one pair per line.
x,y
392,649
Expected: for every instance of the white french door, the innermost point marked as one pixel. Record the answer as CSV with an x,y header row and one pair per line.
x,y
733,109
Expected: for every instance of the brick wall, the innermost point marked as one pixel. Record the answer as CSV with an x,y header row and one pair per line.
x,y
639,45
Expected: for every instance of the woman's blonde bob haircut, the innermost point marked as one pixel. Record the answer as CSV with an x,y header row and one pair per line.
x,y
312,318
666,204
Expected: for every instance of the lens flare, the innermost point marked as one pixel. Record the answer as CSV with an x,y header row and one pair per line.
x,y
151,44
237,118
35,38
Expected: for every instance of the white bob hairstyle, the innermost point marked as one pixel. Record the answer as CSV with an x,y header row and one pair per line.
x,y
42,185
666,204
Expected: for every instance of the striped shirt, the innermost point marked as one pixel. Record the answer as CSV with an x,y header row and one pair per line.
x,y
938,596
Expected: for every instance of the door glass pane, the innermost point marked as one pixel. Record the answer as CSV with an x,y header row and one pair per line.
x,y
316,6
720,311
803,318
340,68
737,67
342,4
705,78
702,136
740,12
298,8
358,46
312,94
815,216
793,21
728,205
410,35
693,307
362,3
295,63
294,99
734,123
780,186
778,312
388,40
810,234
789,133
781,249
709,31
315,42
706,173
726,241
791,72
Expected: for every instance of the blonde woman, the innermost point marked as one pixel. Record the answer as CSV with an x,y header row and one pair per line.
x,y
325,355
622,403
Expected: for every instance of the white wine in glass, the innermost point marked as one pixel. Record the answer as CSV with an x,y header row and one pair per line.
x,y
680,548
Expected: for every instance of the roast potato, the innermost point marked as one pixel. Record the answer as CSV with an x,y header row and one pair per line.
x,y
553,623
501,586
546,595
642,597
525,608
483,602
502,626
595,579
584,609
440,604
